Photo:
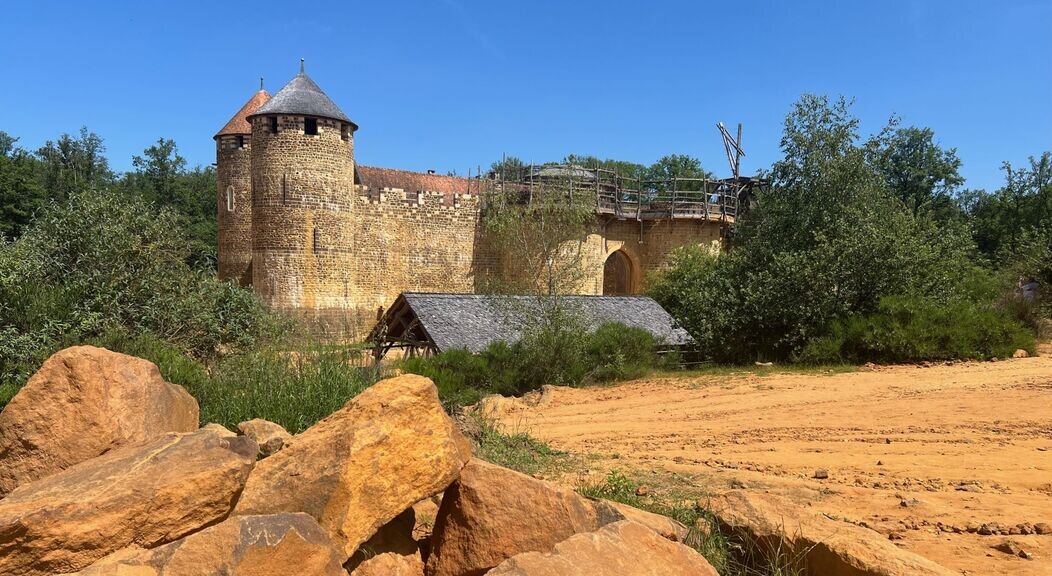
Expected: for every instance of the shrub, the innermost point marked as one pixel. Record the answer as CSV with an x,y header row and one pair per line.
x,y
910,328
619,352
551,354
103,262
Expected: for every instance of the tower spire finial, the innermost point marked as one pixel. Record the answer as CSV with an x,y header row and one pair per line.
x,y
301,66
261,83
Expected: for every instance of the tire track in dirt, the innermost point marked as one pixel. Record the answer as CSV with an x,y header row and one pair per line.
x,y
924,455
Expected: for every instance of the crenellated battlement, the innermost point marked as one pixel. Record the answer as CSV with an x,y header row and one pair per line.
x,y
419,199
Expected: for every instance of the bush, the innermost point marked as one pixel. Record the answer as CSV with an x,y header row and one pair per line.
x,y
553,354
619,352
105,262
907,329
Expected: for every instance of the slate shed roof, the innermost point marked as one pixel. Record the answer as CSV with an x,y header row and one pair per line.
x,y
239,123
474,321
302,97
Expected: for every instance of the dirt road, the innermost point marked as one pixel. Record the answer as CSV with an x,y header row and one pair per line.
x,y
923,455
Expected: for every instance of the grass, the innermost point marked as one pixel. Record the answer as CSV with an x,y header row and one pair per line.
x,y
729,554
293,390
518,451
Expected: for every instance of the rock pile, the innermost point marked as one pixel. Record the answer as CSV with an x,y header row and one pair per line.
x,y
103,470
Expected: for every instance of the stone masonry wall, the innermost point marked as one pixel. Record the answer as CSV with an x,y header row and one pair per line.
x,y
234,208
647,246
303,224
420,242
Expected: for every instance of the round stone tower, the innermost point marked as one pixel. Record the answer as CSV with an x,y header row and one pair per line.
x,y
234,193
303,207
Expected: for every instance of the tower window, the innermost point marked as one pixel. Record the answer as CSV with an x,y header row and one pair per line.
x,y
345,132
240,141
310,126
230,198
273,124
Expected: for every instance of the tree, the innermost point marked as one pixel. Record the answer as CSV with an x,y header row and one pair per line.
x,y
1001,219
72,164
538,241
828,240
918,171
161,177
21,193
677,166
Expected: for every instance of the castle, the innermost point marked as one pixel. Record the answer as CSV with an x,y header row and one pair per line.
x,y
321,237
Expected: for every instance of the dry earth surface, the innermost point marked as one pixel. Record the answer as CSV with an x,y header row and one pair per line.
x,y
923,455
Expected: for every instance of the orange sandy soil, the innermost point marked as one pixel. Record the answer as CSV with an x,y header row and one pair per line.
x,y
963,445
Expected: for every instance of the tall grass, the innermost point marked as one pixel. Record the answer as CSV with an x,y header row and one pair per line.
x,y
294,389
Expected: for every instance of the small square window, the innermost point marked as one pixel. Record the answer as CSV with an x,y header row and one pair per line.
x,y
273,124
310,126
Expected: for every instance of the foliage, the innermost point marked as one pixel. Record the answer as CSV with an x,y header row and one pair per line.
x,y
829,240
910,328
539,242
74,164
101,261
161,177
21,193
463,378
618,352
918,171
558,353
1003,219
517,451
293,389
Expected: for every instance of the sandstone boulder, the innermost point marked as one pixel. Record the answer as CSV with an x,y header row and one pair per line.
x,y
142,496
241,545
394,537
623,548
390,564
664,526
391,446
826,547
83,402
491,514
269,436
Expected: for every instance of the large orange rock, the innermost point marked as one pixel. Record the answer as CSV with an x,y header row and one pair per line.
x,y
276,544
391,446
390,564
664,526
491,514
142,496
826,547
83,402
623,548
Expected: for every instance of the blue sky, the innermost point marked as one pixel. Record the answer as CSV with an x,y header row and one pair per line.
x,y
451,84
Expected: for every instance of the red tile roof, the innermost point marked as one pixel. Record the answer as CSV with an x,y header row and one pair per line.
x,y
239,123
377,178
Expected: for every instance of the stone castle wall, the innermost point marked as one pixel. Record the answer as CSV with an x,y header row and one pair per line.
x,y
415,242
303,202
316,245
234,208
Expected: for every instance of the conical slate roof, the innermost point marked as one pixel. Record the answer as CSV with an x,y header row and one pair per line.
x,y
239,123
302,97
